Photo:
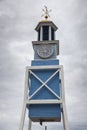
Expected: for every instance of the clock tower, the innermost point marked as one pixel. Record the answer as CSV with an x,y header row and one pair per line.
x,y
44,82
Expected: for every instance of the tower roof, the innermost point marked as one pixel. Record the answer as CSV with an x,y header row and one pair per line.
x,y
46,23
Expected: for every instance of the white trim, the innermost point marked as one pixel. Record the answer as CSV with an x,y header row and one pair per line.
x,y
45,101
41,33
50,37
62,84
65,118
24,102
46,42
30,124
47,23
44,67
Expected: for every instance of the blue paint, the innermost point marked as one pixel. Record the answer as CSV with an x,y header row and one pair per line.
x,y
44,62
44,111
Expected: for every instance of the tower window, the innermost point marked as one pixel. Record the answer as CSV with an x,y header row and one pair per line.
x,y
45,32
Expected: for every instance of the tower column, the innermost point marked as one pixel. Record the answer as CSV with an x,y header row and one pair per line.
x,y
41,34
50,33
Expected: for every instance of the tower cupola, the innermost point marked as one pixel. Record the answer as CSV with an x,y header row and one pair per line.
x,y
46,30
46,46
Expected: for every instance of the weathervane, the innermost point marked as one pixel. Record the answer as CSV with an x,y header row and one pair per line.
x,y
46,12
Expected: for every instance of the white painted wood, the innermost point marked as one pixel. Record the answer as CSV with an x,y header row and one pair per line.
x,y
22,117
64,113
54,42
24,102
46,42
26,84
41,33
30,124
50,33
62,84
48,23
44,67
65,119
44,101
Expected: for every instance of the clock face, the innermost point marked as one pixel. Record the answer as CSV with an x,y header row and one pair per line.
x,y
45,51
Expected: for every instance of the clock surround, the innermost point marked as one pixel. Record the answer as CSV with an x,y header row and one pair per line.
x,y
45,51
54,44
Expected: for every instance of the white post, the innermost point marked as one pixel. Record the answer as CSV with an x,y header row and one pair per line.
x,y
65,119
41,33
24,102
45,127
50,33
64,113
22,117
62,84
30,123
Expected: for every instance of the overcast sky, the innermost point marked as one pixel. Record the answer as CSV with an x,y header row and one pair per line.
x,y
18,19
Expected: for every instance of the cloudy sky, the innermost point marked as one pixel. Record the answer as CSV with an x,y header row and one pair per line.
x,y
18,18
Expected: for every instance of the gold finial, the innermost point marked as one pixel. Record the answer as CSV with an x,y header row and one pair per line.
x,y
46,12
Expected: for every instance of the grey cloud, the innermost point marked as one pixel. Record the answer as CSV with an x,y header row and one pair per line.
x,y
17,22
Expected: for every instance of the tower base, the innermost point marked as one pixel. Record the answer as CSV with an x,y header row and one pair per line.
x,y
29,101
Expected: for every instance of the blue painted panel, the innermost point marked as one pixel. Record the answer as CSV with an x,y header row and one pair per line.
x,y
44,93
44,62
44,112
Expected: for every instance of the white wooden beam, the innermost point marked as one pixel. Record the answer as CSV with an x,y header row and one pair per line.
x,y
41,33
30,124
50,37
50,101
24,102
44,67
65,118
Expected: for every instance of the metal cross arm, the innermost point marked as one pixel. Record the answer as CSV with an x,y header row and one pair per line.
x,y
44,83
